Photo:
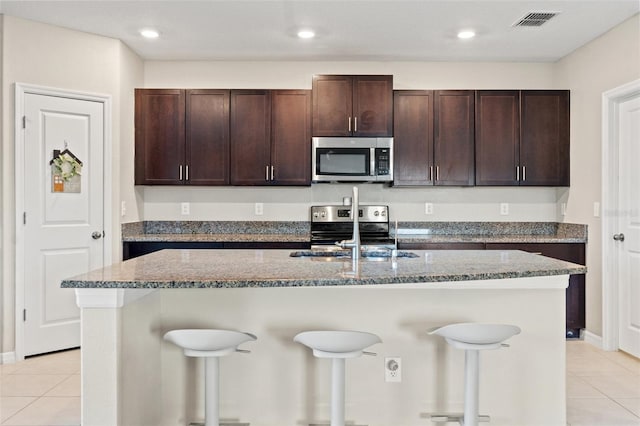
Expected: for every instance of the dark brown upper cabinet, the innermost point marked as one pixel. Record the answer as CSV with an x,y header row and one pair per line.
x,y
433,137
413,137
270,137
346,105
182,137
453,141
522,138
207,137
544,138
159,136
497,137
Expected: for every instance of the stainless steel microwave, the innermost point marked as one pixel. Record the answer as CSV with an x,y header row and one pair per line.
x,y
352,159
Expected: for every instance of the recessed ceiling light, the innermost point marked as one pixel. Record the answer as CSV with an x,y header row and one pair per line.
x,y
306,34
149,33
466,34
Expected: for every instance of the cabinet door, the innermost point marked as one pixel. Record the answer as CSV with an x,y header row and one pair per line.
x,y
413,137
160,136
207,137
497,138
454,137
544,146
332,105
250,131
291,137
373,105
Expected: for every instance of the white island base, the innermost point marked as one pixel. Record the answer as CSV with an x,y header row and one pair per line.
x,y
131,377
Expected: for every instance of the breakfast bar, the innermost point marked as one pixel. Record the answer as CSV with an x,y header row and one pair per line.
x,y
130,376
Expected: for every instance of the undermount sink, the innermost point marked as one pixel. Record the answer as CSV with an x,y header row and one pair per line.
x,y
346,254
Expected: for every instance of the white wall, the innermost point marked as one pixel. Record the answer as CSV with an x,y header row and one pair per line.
x,y
607,62
46,55
536,204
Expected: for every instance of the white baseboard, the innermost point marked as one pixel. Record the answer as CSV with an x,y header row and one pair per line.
x,y
593,339
7,358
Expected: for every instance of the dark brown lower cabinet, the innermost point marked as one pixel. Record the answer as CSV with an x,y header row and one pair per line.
x,y
440,246
570,252
131,249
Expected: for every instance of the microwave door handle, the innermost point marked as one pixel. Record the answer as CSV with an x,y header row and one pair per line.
x,y
372,162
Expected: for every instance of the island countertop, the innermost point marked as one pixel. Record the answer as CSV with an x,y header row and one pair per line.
x,y
275,268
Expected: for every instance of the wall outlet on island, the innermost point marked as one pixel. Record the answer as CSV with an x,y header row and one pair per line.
x,y
185,208
504,209
259,209
393,369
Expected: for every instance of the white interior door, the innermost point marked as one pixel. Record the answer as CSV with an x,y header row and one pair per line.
x,y
628,236
58,226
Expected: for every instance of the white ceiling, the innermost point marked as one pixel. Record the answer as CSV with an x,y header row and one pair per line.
x,y
381,30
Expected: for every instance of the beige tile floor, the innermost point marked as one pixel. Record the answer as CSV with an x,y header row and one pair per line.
x,y
603,389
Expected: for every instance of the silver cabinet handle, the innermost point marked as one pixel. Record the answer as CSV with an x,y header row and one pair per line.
x,y
266,173
349,123
618,237
271,172
517,173
524,173
180,171
96,235
186,168
355,126
430,173
437,172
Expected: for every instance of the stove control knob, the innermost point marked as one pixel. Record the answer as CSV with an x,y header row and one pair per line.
x,y
376,213
315,215
384,213
323,214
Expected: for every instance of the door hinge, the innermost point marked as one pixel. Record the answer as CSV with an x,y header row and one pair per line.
x,y
24,121
24,218
24,315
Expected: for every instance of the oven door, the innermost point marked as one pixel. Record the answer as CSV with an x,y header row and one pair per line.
x,y
342,164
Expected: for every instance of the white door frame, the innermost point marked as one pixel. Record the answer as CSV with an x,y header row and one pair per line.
x,y
611,100
21,90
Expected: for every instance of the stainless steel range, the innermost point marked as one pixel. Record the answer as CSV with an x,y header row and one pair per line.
x,y
330,224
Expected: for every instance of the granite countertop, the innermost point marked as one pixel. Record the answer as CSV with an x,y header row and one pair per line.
x,y
275,268
407,232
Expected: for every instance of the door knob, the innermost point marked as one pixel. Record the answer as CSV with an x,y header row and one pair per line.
x,y
618,237
96,235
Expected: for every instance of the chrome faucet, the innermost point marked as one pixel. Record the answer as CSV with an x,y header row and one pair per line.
x,y
354,242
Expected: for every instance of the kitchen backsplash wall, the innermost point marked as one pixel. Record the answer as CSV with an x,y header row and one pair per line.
x,y
406,204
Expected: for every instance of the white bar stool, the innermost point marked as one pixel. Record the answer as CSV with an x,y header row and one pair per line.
x,y
337,345
210,345
472,338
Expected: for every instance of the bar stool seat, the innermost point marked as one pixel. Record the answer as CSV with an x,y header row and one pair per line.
x,y
472,338
337,345
210,344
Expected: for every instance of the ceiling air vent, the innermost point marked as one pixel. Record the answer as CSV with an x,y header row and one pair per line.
x,y
534,19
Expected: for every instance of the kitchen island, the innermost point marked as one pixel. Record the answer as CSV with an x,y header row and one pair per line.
x,y
132,377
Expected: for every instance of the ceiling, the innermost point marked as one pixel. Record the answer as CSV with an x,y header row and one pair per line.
x,y
347,30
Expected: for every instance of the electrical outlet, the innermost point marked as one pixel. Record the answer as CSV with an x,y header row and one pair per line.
x,y
504,209
563,209
259,209
596,209
123,209
185,208
393,369
428,208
